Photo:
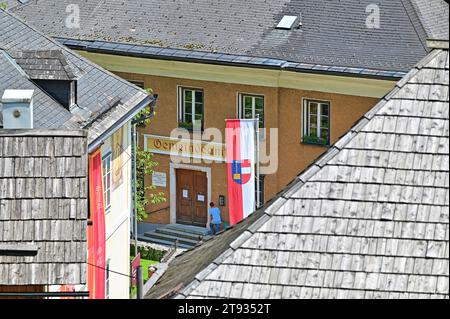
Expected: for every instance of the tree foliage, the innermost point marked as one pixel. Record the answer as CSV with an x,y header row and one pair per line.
x,y
145,194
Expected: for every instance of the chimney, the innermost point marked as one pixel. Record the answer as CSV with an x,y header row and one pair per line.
x,y
17,109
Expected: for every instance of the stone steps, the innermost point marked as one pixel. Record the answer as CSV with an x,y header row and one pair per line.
x,y
187,236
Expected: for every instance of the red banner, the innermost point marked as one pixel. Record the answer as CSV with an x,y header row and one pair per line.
x,y
240,143
96,232
134,265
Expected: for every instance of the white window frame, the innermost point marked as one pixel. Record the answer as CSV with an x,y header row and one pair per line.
x,y
241,104
107,278
181,104
72,93
261,189
107,157
306,117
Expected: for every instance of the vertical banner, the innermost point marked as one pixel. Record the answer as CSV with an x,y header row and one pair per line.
x,y
117,158
240,144
134,265
96,233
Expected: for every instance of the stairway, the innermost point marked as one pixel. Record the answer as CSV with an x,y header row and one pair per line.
x,y
186,235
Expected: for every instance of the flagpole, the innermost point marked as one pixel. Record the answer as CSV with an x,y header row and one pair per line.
x,y
257,162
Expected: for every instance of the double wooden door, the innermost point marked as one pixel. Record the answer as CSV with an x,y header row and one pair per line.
x,y
192,201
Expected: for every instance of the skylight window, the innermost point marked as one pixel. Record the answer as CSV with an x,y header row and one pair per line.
x,y
288,22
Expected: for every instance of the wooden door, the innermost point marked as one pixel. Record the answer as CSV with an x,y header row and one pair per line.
x,y
191,197
200,214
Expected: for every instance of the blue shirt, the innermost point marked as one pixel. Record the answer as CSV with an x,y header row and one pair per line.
x,y
215,214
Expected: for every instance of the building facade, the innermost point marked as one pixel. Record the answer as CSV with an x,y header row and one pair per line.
x,y
288,102
70,92
117,189
311,78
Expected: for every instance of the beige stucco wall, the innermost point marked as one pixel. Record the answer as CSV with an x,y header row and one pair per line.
x,y
349,97
117,222
282,111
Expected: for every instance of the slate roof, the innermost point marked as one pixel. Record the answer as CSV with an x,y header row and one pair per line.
x,y
434,18
103,99
44,65
43,206
369,219
333,33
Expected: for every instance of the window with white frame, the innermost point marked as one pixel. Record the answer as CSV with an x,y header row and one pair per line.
x,y
107,279
190,114
250,106
107,181
260,191
316,122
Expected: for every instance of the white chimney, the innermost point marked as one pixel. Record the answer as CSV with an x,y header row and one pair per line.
x,y
17,109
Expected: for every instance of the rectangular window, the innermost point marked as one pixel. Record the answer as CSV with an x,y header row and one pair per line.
x,y
250,106
107,181
191,108
73,93
316,122
261,190
107,279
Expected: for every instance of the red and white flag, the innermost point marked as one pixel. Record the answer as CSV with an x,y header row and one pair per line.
x,y
240,144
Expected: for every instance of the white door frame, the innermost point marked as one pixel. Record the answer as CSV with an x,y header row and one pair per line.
x,y
173,187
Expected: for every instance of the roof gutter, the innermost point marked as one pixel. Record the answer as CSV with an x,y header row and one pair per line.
x,y
183,55
437,44
149,100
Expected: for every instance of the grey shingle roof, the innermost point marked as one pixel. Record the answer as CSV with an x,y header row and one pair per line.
x,y
43,205
369,219
333,33
434,18
103,99
44,65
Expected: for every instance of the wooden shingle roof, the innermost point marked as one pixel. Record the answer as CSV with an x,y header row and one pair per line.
x,y
43,207
369,219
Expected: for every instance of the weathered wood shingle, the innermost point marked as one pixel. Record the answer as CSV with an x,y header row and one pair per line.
x,y
41,204
367,221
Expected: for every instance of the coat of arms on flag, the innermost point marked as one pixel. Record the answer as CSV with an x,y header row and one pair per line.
x,y
241,171
240,144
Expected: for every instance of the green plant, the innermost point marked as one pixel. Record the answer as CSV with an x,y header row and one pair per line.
x,y
144,194
148,253
191,125
186,125
3,5
314,139
144,167
145,111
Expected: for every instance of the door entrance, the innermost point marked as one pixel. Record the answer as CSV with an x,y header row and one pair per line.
x,y
192,201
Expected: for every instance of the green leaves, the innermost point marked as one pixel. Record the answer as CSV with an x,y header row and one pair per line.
x,y
144,167
145,111
314,139
144,194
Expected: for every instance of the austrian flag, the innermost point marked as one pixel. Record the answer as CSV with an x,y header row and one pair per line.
x,y
240,144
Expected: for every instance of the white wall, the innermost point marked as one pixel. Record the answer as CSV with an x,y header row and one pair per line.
x,y
117,223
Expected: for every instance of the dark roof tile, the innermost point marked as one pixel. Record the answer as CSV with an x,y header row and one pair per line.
x,y
41,57
327,34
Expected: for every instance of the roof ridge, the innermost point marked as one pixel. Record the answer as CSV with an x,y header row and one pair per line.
x,y
414,11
